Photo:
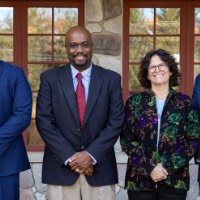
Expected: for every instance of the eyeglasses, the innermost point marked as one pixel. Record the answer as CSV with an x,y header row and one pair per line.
x,y
161,66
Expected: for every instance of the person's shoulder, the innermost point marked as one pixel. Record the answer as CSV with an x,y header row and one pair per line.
x,y
137,96
182,96
53,71
106,72
197,79
10,67
198,76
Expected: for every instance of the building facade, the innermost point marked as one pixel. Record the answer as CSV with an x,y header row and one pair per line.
x,y
32,36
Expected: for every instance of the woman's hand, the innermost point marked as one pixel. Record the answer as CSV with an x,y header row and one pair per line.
x,y
159,173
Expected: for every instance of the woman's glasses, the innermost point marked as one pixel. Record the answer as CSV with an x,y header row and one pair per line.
x,y
161,66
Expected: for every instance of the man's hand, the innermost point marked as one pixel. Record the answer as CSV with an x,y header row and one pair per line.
x,y
80,162
89,170
159,173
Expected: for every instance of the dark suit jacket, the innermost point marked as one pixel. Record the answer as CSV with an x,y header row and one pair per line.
x,y
58,124
196,98
15,116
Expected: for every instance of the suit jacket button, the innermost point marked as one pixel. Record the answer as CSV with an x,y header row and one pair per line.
x,y
82,147
78,129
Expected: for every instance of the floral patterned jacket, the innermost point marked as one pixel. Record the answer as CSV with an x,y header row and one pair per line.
x,y
179,137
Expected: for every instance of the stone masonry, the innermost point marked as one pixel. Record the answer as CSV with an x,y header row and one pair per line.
x,y
103,18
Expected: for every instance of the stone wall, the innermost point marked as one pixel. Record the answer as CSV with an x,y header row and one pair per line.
x,y
103,18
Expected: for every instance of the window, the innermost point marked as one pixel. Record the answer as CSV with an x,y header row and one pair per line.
x,y
164,25
197,41
32,35
6,33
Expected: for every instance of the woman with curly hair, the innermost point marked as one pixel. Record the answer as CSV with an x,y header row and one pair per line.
x,y
160,133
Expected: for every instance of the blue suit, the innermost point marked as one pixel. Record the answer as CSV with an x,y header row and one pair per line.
x,y
196,98
15,116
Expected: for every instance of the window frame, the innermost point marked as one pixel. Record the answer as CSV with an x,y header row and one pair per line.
x,y
186,40
20,36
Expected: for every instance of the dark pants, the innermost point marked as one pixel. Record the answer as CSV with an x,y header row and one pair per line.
x,y
160,193
9,187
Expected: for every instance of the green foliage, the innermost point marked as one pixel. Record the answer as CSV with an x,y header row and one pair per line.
x,y
168,21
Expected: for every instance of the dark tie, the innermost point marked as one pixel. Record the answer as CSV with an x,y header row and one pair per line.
x,y
80,98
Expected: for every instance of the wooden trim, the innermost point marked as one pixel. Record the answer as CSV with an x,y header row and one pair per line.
x,y
125,65
191,35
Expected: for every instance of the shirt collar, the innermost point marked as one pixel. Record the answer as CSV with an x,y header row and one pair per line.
x,y
86,73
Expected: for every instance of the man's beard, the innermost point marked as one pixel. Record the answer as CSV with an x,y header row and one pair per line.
x,y
82,64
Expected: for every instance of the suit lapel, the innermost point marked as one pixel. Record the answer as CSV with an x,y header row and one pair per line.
x,y
66,83
94,89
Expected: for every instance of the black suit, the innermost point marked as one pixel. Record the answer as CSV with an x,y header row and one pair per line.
x,y
58,124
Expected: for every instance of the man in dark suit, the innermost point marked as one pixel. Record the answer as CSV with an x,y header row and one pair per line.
x,y
15,116
79,159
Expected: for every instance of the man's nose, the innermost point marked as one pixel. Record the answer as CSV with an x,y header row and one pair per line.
x,y
79,48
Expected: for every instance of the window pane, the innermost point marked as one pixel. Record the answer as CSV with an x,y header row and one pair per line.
x,y
196,70
141,21
64,19
33,137
34,97
171,44
34,71
134,84
60,54
40,20
6,20
39,48
197,49
168,21
6,48
197,21
138,46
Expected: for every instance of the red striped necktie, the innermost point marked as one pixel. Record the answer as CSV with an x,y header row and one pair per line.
x,y
80,98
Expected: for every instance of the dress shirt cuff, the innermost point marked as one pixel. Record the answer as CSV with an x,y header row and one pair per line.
x,y
67,161
94,162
